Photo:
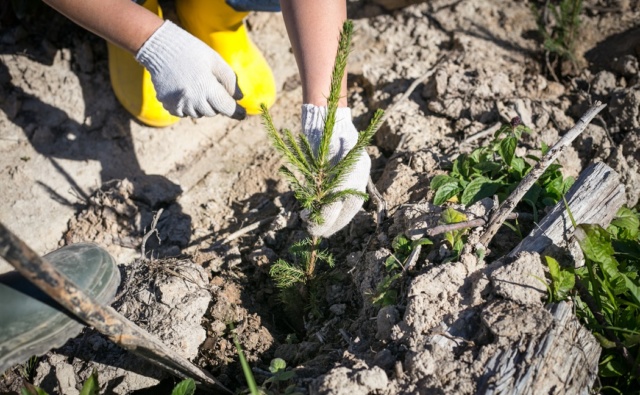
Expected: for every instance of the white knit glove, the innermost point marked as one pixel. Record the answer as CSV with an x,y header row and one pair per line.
x,y
190,78
338,214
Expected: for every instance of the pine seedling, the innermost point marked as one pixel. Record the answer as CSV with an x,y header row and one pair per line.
x,y
311,173
314,177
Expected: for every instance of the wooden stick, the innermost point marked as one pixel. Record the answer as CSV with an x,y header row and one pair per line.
x,y
440,229
487,132
245,230
151,231
527,182
381,204
594,198
103,318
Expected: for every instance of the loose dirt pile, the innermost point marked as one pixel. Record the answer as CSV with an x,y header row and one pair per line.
x,y
454,322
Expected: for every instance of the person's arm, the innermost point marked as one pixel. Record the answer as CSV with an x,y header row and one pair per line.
x,y
314,29
122,22
189,77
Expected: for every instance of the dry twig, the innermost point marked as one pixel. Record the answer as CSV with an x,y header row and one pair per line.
x,y
381,204
487,132
440,229
244,231
498,218
151,231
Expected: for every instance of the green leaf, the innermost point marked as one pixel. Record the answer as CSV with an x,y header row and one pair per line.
x,y
567,184
30,389
385,294
421,242
451,216
246,369
479,188
440,180
519,165
562,281
91,385
400,243
554,269
503,129
508,149
521,129
633,288
604,342
458,246
488,168
277,365
446,192
611,368
628,221
185,387
392,263
533,194
596,244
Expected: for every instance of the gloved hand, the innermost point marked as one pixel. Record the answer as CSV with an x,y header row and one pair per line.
x,y
338,214
190,78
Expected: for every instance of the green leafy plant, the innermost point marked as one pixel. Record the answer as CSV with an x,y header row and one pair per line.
x,y
496,169
185,387
386,291
274,384
455,238
314,178
563,280
28,368
607,295
280,382
559,25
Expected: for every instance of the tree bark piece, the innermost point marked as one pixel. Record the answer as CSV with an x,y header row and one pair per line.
x,y
594,199
498,218
564,360
103,318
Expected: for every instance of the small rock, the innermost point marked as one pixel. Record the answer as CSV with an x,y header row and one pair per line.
x,y
387,317
345,381
508,319
627,65
520,280
263,257
338,309
603,83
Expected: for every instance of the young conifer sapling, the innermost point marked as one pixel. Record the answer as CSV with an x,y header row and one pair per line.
x,y
314,177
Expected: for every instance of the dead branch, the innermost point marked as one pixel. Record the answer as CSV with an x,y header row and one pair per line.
x,y
510,203
245,230
594,198
104,319
151,231
381,204
474,223
487,132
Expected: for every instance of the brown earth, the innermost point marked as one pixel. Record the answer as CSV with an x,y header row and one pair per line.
x,y
75,167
